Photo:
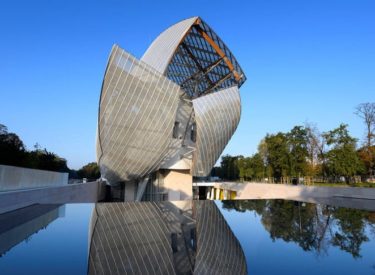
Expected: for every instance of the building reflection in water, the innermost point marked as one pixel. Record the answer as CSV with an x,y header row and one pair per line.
x,y
190,237
314,227
17,226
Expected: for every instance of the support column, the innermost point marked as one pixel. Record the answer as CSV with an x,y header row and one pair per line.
x,y
130,191
225,193
178,184
217,197
141,189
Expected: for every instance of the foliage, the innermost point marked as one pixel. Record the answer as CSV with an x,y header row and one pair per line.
x,y
251,168
89,171
13,152
302,153
12,149
256,169
277,155
297,141
367,156
229,167
44,160
342,158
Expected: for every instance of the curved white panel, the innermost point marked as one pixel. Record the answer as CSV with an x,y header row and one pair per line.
x,y
218,249
162,49
171,110
217,116
138,108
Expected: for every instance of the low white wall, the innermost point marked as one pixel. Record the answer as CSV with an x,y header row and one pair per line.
x,y
283,191
179,184
72,193
353,197
14,178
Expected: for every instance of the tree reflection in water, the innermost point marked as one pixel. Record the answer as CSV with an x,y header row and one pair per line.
x,y
314,227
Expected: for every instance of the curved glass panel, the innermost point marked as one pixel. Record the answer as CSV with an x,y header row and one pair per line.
x,y
138,107
218,249
160,52
190,237
217,116
192,55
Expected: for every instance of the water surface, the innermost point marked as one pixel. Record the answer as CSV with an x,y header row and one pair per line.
x,y
272,236
287,237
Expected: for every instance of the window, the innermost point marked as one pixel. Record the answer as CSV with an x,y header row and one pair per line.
x,y
175,129
193,133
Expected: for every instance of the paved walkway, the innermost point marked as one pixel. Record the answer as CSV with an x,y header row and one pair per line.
x,y
354,197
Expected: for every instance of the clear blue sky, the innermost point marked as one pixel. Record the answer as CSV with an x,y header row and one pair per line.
x,y
305,60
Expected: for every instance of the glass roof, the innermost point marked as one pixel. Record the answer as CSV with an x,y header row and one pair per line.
x,y
203,64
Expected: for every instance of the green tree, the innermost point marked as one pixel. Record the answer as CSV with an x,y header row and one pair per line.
x,y
229,167
90,171
251,168
45,160
12,149
256,167
216,172
297,140
243,168
367,156
277,154
13,152
342,158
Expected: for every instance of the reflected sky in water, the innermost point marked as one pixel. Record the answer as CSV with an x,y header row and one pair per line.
x,y
59,248
285,237
277,237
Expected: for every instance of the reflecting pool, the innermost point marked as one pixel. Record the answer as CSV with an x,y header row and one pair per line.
x,y
287,237
199,237
55,242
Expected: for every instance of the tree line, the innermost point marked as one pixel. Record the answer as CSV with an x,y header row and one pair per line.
x,y
13,152
306,154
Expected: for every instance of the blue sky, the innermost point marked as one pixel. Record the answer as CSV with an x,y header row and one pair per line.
x,y
304,60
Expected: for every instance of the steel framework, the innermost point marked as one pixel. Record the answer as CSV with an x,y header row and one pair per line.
x,y
175,108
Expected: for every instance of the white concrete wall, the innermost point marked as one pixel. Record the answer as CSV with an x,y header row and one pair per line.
x,y
353,197
179,184
72,193
14,178
283,191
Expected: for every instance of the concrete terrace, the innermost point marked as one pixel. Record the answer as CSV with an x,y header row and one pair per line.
x,y
354,197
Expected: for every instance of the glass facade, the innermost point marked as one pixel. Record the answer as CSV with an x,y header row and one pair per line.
x,y
177,108
138,106
217,116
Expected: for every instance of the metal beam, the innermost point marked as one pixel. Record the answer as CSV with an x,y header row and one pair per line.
x,y
191,55
195,46
218,50
198,59
204,71
217,84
